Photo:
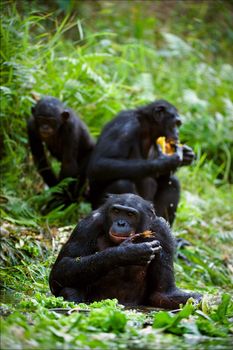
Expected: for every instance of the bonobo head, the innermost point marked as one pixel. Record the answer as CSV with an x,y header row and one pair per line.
x,y
164,119
127,215
49,114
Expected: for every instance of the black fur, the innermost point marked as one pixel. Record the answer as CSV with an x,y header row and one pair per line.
x,y
58,129
136,271
127,159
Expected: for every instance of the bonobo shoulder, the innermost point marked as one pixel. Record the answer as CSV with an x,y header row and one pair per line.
x,y
31,121
88,226
161,225
124,121
129,114
31,125
163,233
128,118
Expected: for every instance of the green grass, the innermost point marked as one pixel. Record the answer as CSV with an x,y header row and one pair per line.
x,y
99,67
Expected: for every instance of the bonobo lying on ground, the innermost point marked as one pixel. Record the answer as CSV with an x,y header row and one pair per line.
x,y
121,250
127,158
66,137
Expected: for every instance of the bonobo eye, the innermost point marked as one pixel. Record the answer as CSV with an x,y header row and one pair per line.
x,y
130,214
116,211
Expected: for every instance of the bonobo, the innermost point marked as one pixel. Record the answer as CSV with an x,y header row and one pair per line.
x,y
127,158
65,136
121,250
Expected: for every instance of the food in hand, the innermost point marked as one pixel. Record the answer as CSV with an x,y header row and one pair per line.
x,y
167,148
143,235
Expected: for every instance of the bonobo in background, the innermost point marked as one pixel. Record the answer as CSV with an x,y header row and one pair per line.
x,y
121,250
127,158
56,127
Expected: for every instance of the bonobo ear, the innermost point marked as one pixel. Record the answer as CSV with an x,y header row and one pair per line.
x,y
107,196
152,209
158,112
33,109
159,108
65,115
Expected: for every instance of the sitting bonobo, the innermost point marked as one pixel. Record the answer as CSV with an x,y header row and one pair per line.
x,y
128,159
121,250
54,127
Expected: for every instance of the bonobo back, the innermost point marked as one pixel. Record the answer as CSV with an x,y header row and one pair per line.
x,y
127,158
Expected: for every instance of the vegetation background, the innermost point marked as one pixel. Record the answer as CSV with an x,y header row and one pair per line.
x,y
101,57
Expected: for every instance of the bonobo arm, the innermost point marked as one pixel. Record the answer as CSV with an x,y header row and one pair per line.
x,y
69,134
80,264
39,156
161,268
161,280
113,169
69,165
118,154
188,155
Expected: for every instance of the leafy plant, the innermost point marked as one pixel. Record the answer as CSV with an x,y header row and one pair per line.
x,y
100,61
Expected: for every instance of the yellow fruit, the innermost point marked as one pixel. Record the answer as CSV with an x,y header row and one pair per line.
x,y
161,141
146,234
167,147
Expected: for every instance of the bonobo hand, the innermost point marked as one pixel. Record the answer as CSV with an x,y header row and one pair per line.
x,y
139,253
164,163
188,155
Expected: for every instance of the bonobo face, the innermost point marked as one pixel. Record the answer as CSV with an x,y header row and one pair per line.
x,y
47,126
167,120
127,215
124,222
49,114
172,122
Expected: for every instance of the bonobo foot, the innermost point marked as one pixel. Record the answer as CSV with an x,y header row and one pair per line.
x,y
182,243
173,299
58,199
71,294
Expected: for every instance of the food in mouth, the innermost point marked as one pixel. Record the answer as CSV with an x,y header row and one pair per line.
x,y
167,147
119,237
131,237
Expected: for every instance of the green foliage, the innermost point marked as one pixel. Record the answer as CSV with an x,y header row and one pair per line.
x,y
40,301
172,323
104,324
214,324
100,61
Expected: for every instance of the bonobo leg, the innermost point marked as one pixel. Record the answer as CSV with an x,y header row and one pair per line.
x,y
167,197
59,198
173,299
98,195
161,278
163,291
71,294
116,187
147,188
121,186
